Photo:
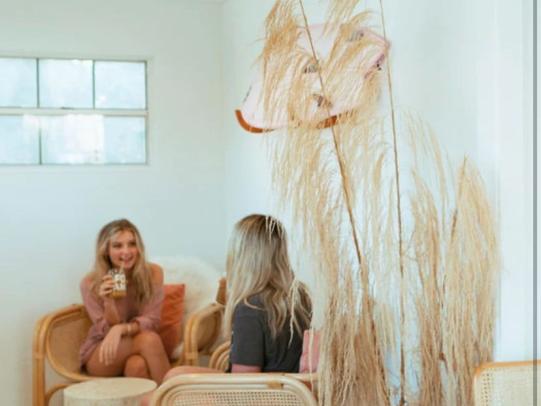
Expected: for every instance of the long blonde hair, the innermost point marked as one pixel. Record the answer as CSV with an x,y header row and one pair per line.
x,y
258,264
141,276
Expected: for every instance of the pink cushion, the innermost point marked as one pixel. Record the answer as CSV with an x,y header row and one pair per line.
x,y
312,359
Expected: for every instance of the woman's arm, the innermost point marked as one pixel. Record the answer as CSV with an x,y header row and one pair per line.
x,y
94,306
110,312
245,368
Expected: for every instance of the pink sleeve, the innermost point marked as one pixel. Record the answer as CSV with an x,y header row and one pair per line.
x,y
151,313
94,307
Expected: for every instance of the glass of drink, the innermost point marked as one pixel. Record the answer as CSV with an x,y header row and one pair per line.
x,y
119,279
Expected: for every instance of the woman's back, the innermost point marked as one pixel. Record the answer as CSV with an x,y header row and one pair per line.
x,y
252,342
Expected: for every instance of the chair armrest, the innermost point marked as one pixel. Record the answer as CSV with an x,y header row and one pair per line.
x,y
220,357
201,332
198,386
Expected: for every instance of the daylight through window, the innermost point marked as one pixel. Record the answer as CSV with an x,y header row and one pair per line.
x,y
72,111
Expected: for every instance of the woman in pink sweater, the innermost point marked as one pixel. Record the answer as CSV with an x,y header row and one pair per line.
x,y
123,338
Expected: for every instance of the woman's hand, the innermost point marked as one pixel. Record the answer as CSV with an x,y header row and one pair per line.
x,y
109,345
106,286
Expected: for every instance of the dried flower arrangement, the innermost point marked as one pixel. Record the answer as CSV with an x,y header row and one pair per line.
x,y
405,248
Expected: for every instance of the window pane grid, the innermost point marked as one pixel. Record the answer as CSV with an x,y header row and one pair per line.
x,y
70,124
93,84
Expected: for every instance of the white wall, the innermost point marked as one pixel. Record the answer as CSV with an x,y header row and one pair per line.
x,y
49,216
465,67
513,113
461,65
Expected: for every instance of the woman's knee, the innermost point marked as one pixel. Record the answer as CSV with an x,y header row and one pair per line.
x,y
136,367
147,341
187,369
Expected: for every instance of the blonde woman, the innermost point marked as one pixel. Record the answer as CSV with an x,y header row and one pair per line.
x,y
123,338
267,310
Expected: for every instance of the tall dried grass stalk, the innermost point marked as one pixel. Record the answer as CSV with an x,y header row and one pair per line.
x,y
396,160
471,261
281,36
427,236
456,262
306,176
344,189
341,10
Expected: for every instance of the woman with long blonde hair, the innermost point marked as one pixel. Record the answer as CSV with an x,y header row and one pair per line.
x,y
267,309
123,338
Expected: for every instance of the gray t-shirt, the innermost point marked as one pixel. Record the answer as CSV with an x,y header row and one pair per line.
x,y
252,343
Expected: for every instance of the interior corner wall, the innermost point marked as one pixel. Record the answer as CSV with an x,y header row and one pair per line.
x,y
464,68
50,215
513,108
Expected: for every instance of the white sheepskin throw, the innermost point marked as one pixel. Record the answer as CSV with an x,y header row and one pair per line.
x,y
201,280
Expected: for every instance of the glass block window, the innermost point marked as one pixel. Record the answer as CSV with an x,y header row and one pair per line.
x,y
72,111
19,139
120,85
18,84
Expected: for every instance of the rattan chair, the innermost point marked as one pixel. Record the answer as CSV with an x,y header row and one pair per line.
x,y
203,330
57,339
505,384
234,390
59,335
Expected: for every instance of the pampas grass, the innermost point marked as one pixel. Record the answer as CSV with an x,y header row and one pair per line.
x,y
471,258
341,10
408,257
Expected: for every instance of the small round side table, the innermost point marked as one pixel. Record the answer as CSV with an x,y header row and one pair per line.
x,y
108,392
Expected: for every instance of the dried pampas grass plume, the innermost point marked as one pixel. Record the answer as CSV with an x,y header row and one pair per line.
x,y
472,264
410,276
341,10
281,35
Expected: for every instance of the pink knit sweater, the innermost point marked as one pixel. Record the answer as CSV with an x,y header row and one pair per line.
x,y
147,315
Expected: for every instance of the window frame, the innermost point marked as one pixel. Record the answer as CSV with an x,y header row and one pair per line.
x,y
39,111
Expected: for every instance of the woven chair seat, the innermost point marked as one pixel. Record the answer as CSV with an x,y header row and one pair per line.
x,y
506,384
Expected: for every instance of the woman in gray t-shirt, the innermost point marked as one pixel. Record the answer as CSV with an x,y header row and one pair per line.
x,y
262,291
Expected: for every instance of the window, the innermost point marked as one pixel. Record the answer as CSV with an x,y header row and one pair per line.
x,y
72,111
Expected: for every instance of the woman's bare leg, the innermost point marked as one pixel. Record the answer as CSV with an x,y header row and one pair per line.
x,y
149,345
186,369
146,344
136,367
97,368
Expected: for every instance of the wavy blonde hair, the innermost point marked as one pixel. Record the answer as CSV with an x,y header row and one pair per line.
x,y
141,276
258,264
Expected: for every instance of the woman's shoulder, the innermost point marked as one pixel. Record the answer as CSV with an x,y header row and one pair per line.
x,y
251,306
87,285
156,273
87,281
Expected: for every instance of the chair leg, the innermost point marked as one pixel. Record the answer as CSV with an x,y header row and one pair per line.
x,y
188,347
